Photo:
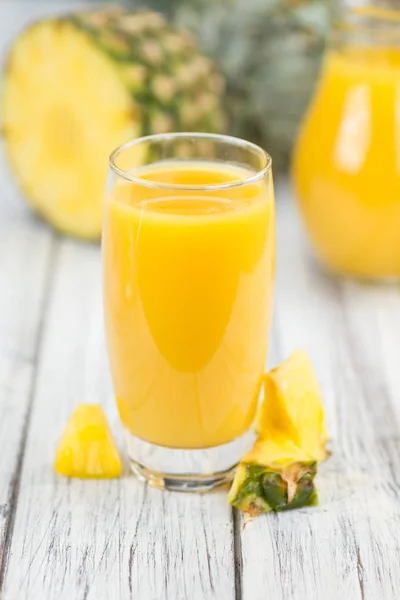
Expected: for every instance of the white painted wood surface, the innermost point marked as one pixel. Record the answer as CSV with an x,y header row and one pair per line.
x,y
23,278
72,540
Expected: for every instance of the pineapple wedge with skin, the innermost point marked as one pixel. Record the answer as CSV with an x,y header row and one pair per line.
x,y
278,473
77,86
87,449
292,407
274,475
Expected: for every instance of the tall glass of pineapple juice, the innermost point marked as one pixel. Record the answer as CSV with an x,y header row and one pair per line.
x,y
188,270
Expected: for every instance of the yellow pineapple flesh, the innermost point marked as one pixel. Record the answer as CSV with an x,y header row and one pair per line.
x,y
61,118
292,406
87,449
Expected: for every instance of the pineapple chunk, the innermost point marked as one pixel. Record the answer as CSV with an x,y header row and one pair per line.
x,y
87,449
274,475
278,473
292,407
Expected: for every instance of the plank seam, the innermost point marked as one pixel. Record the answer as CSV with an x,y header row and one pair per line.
x,y
237,554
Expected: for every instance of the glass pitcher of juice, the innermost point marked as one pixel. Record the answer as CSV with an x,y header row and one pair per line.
x,y
346,164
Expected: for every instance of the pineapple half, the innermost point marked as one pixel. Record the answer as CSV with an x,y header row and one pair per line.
x,y
278,473
77,86
87,449
274,475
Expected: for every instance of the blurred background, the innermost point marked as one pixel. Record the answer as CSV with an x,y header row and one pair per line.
x,y
79,85
80,78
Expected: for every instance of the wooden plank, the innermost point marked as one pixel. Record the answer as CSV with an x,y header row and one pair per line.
x,y
348,547
25,270
19,338
104,539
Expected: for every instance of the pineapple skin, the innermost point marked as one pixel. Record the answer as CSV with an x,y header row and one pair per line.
x,y
261,487
172,86
164,84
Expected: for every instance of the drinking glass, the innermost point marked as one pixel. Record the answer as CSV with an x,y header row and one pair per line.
x,y
188,268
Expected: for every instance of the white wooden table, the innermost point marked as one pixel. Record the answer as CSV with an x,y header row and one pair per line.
x,y
104,540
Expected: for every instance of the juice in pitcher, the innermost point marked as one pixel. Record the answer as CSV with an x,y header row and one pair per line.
x,y
347,160
188,255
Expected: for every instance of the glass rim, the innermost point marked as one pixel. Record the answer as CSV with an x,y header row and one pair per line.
x,y
227,139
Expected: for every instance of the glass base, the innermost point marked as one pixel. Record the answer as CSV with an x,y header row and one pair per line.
x,y
198,470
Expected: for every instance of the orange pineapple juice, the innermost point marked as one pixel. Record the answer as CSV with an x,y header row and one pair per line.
x,y
188,281
347,162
